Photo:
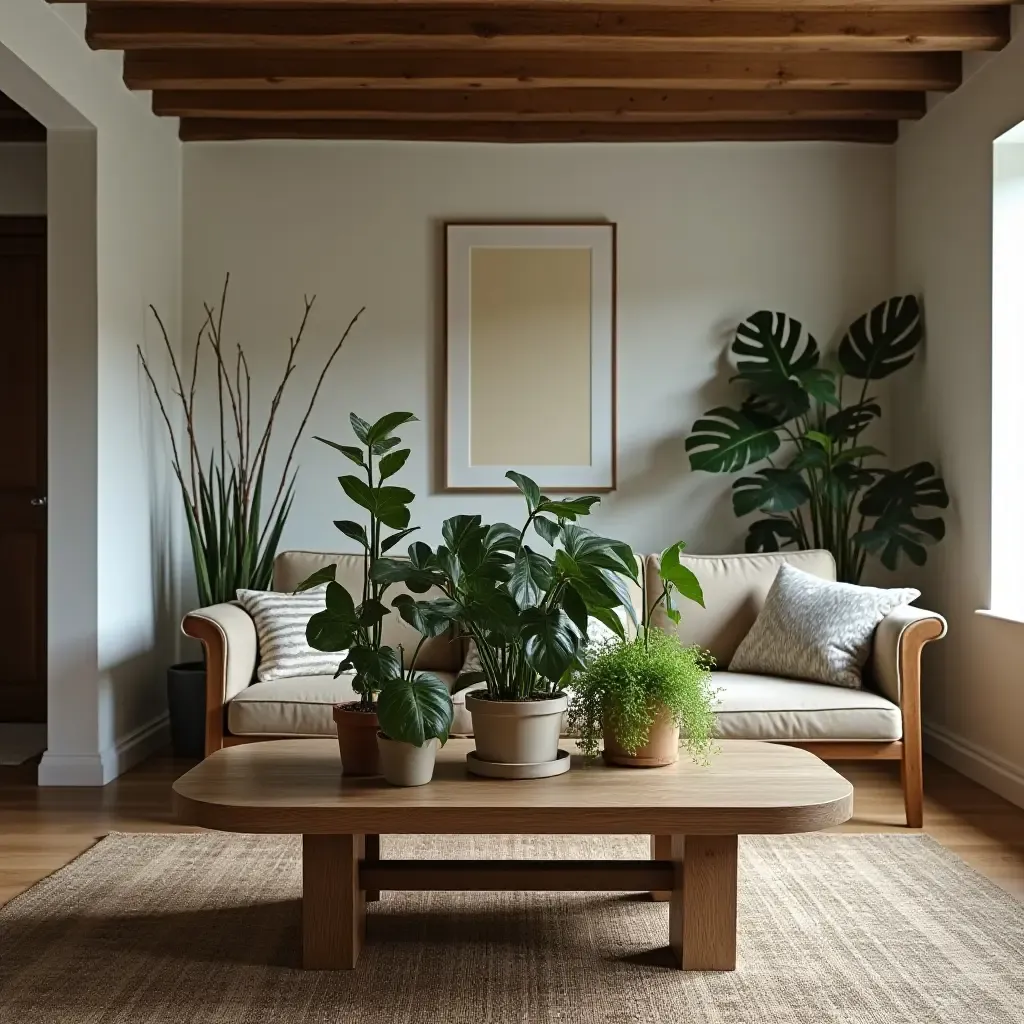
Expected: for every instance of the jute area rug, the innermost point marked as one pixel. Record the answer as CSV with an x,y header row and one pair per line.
x,y
148,929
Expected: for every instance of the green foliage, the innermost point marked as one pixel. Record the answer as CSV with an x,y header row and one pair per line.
x,y
234,526
345,625
415,707
823,491
624,685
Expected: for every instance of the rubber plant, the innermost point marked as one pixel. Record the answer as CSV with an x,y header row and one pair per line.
x,y
527,611
822,485
352,624
623,685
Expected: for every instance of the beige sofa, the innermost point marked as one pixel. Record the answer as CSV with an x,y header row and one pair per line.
x,y
880,721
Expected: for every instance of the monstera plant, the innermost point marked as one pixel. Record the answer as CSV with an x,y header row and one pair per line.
x,y
821,484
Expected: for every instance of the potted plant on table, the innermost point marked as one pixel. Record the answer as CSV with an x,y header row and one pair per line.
x,y
635,693
233,528
416,713
527,613
355,630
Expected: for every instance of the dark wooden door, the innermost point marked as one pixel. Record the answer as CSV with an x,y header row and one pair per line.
x,y
22,469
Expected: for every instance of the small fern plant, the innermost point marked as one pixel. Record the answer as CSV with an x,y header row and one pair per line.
x,y
623,685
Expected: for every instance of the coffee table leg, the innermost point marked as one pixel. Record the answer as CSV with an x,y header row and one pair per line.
x,y
333,905
702,910
372,853
661,849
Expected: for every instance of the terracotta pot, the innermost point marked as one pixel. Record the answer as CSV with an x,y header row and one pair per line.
x,y
514,732
661,748
357,738
405,764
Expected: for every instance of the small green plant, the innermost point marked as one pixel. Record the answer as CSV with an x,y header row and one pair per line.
x,y
624,684
415,706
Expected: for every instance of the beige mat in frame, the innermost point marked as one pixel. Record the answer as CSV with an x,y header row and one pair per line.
x,y
200,928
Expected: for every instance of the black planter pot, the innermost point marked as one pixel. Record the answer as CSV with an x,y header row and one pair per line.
x,y
186,703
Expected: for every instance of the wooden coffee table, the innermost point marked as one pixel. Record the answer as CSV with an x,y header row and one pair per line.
x,y
694,816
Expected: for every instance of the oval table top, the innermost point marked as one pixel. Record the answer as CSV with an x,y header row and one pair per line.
x,y
296,786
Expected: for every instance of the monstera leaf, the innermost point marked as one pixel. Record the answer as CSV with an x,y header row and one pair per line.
x,y
849,422
777,358
894,500
724,440
415,709
882,341
770,490
772,535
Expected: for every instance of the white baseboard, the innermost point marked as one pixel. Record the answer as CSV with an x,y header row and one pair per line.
x,y
104,766
991,770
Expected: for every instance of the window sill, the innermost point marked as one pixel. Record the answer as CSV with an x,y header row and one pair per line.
x,y
1003,614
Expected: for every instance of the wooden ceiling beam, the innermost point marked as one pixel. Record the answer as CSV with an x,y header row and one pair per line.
x,y
484,131
492,5
241,69
541,105
127,26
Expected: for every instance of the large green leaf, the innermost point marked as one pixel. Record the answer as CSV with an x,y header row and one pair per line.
x,y
431,618
334,628
359,491
461,530
501,537
392,506
415,709
527,487
588,548
531,577
318,578
904,490
725,440
893,501
772,535
568,508
392,463
548,529
349,451
359,427
679,576
849,422
353,530
385,426
882,341
770,490
418,578
550,641
771,349
396,538
374,666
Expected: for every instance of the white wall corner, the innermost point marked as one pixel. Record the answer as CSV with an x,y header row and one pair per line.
x,y
100,768
991,771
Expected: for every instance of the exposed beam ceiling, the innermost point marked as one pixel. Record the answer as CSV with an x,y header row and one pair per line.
x,y
544,70
17,125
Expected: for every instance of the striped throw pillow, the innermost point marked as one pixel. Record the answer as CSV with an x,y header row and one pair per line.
x,y
281,630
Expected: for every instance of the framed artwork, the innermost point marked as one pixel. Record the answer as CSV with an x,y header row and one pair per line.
x,y
530,322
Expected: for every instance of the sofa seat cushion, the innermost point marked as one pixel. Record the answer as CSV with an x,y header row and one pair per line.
x,y
755,707
300,706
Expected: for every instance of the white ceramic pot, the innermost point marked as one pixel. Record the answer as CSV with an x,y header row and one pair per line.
x,y
405,764
516,731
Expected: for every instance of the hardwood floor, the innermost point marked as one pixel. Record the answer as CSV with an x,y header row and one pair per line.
x,y
43,829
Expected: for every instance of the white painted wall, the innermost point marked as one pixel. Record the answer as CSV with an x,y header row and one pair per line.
x,y
22,179
974,699
114,221
707,234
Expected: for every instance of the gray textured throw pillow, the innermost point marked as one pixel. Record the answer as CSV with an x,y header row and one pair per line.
x,y
817,630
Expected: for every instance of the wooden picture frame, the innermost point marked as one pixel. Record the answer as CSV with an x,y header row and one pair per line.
x,y
530,356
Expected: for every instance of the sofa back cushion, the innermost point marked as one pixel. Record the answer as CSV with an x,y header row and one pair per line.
x,y
439,654
735,588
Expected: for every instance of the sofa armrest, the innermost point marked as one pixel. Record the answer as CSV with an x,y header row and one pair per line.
x,y
896,655
228,635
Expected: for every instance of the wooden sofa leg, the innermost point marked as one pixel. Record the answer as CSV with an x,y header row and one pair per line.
x,y
912,775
